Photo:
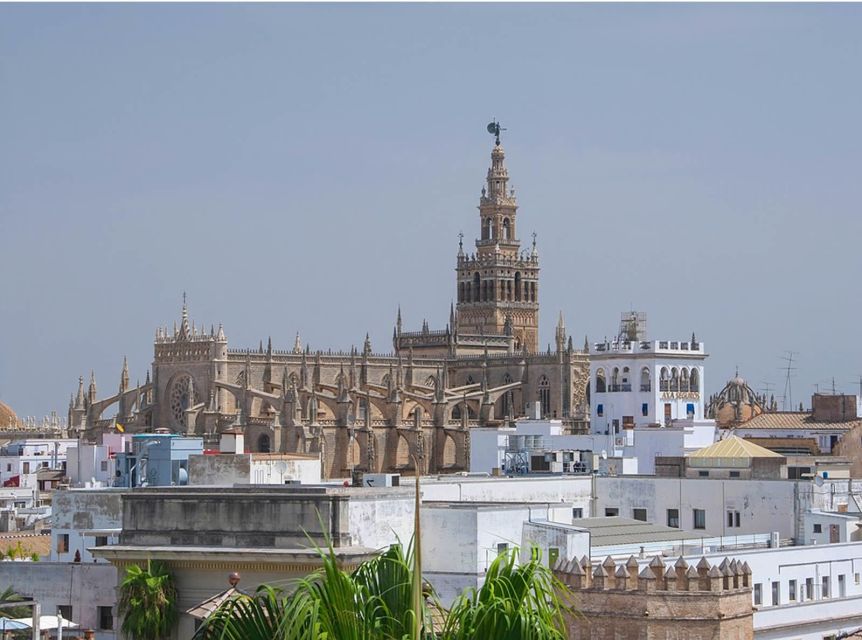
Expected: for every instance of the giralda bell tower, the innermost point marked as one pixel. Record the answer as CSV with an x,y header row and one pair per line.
x,y
498,286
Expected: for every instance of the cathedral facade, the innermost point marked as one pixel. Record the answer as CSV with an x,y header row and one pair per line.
x,y
408,410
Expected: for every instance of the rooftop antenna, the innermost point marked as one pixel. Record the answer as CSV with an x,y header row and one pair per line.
x,y
494,129
767,387
859,382
788,373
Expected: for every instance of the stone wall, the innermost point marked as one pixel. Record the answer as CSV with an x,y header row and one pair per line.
x,y
631,601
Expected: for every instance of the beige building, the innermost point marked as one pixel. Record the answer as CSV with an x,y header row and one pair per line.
x,y
366,409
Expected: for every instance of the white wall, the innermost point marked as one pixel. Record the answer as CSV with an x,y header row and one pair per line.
x,y
83,514
572,490
764,505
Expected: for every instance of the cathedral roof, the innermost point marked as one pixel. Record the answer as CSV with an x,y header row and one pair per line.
x,y
7,416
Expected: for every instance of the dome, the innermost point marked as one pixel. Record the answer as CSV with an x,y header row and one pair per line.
x,y
498,151
736,403
7,416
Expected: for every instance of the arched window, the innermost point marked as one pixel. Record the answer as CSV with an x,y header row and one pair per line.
x,y
545,395
615,379
664,380
506,229
674,379
486,229
645,381
469,380
263,443
601,386
477,285
460,292
683,379
694,384
517,286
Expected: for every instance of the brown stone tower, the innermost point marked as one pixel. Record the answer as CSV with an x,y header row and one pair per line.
x,y
499,284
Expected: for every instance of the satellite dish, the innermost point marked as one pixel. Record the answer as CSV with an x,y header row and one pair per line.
x,y
280,467
818,480
604,455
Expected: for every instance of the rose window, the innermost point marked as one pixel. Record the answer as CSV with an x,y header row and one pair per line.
x,y
180,400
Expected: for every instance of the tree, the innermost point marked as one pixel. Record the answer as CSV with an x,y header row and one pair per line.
x,y
385,599
10,595
148,600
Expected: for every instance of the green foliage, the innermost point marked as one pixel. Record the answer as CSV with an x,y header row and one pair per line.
x,y
372,603
375,602
147,602
35,557
10,595
516,602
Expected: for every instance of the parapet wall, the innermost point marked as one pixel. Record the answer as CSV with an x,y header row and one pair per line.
x,y
634,601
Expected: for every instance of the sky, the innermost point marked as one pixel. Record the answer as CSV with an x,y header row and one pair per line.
x,y
309,167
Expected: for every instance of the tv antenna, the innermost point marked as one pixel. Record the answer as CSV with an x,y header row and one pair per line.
x,y
494,129
788,369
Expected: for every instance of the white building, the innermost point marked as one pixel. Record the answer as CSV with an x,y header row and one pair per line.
x,y
22,459
636,382
94,465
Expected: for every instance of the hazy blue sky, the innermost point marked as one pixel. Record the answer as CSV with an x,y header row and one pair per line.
x,y
308,168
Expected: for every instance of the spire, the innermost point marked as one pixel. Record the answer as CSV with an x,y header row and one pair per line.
x,y
461,237
185,331
297,344
586,344
534,253
452,316
398,321
366,348
561,334
79,400
220,334
269,347
124,376
91,391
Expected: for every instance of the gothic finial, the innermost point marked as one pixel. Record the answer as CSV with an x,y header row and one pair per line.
x,y
297,344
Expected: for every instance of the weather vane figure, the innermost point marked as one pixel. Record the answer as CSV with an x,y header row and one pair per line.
x,y
494,129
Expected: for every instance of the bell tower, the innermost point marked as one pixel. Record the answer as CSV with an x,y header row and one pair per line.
x,y
498,285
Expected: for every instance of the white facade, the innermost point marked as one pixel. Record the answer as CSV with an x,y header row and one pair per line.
x,y
83,519
645,383
24,458
94,465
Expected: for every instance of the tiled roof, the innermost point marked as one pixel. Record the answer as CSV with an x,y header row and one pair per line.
x,y
794,420
734,447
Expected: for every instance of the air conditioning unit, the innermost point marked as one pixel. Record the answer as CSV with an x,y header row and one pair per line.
x,y
381,480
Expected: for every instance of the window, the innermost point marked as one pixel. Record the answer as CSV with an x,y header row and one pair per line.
x,y
639,514
776,594
610,512
758,594
545,395
856,578
502,547
791,590
689,410
734,474
104,465
824,588
818,528
645,409
703,474
65,610
106,618
733,518
26,468
673,518
553,556
842,589
809,588
577,513
699,516
63,543
8,467
101,541
600,410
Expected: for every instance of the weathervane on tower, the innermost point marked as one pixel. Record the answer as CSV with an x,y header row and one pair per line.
x,y
494,129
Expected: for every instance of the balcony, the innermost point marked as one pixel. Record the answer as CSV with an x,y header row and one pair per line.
x,y
619,387
646,387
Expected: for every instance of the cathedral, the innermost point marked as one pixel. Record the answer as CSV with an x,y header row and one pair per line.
x,y
408,410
